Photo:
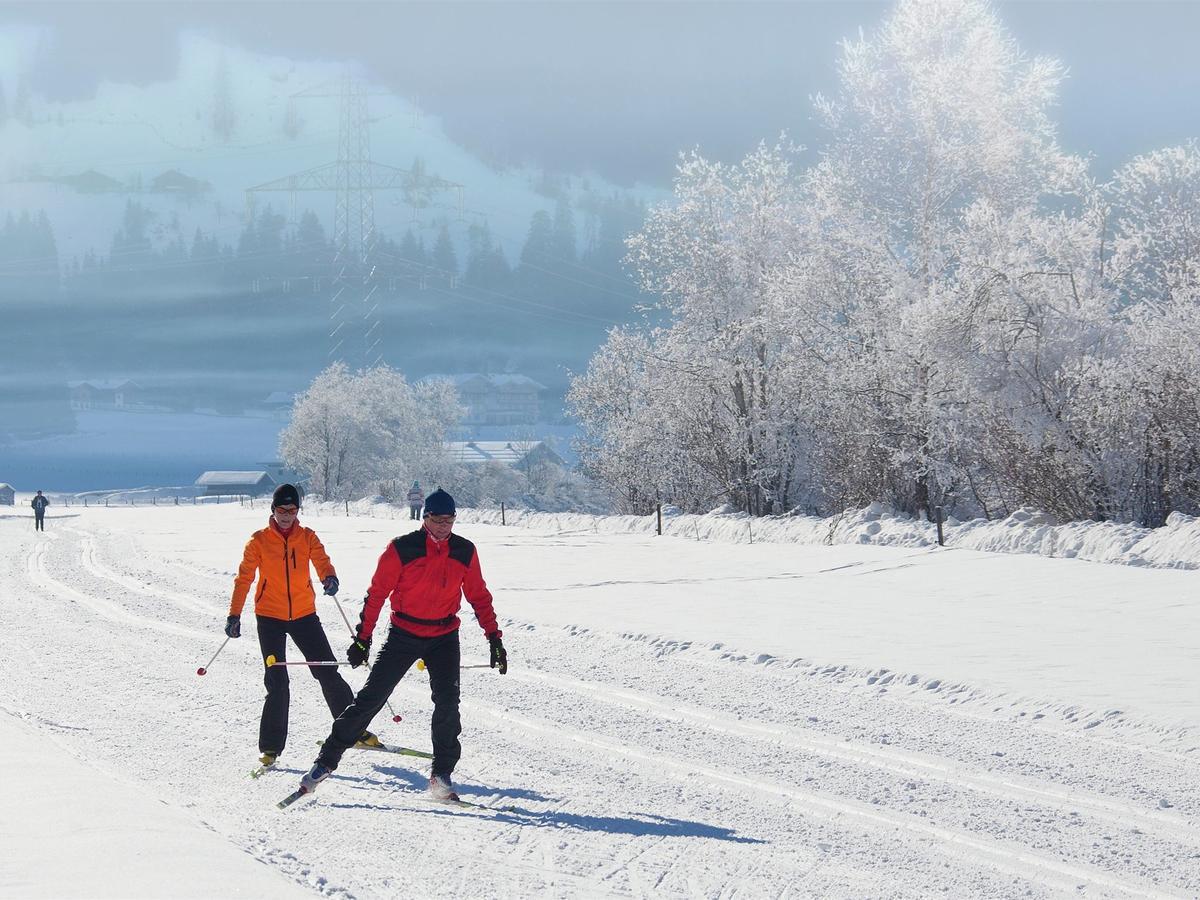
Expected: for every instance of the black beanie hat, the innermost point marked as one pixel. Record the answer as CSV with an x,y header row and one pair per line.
x,y
439,503
285,495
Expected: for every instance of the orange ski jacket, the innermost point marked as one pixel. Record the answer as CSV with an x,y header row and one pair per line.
x,y
285,588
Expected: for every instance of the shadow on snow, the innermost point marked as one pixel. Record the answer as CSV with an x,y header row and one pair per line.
x,y
637,824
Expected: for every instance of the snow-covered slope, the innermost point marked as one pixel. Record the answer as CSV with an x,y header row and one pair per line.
x,y
134,133
73,828
681,718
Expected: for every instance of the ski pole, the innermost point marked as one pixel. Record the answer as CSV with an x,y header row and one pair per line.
x,y
353,636
272,661
421,665
203,669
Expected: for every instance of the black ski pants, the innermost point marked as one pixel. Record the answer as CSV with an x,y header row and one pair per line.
x,y
402,649
39,521
309,636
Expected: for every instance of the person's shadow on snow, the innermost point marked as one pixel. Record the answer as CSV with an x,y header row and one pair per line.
x,y
641,824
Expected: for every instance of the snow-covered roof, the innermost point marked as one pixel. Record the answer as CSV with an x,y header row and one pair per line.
x,y
105,384
215,478
494,380
508,452
5,486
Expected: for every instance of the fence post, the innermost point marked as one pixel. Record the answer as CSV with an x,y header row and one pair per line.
x,y
751,530
658,513
176,499
937,511
502,522
347,509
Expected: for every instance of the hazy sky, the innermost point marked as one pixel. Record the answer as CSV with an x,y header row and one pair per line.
x,y
621,87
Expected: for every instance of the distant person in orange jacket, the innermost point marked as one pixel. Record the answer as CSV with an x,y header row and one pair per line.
x,y
425,574
285,604
39,504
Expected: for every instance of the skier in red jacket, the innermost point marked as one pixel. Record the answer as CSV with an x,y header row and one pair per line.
x,y
425,573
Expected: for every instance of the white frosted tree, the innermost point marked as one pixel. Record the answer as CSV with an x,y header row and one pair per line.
x,y
351,433
935,113
622,445
1156,199
718,370
944,309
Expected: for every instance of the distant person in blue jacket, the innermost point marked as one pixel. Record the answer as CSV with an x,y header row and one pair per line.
x,y
39,504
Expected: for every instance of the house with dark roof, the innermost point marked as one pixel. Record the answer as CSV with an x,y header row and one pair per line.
x,y
115,393
90,182
253,484
8,495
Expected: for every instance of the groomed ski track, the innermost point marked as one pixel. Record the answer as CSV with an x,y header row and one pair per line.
x,y
627,763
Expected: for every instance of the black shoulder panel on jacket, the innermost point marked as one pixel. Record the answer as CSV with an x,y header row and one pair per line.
x,y
410,546
461,549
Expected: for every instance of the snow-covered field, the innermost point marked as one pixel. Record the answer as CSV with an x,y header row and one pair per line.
x,y
681,717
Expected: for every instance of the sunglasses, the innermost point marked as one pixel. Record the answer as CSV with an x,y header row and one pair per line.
x,y
440,520
287,510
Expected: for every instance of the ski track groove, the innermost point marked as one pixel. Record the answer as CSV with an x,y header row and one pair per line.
x,y
637,864
1174,757
1010,860
102,572
906,764
933,719
102,607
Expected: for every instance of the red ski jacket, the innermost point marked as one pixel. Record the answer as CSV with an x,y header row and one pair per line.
x,y
426,580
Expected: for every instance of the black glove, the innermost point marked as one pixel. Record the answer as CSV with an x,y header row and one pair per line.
x,y
499,655
358,652
331,585
233,626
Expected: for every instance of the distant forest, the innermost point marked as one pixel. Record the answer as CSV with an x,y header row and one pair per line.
x,y
220,325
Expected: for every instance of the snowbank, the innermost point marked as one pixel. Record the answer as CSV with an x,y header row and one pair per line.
x,y
1176,545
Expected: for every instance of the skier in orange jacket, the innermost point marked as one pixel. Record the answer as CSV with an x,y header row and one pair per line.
x,y
285,604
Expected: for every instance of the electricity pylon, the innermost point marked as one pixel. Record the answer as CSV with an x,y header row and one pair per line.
x,y
354,329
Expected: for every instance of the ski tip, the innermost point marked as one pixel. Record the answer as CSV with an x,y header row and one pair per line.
x,y
291,798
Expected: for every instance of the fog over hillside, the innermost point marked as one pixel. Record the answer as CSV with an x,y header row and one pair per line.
x,y
133,250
